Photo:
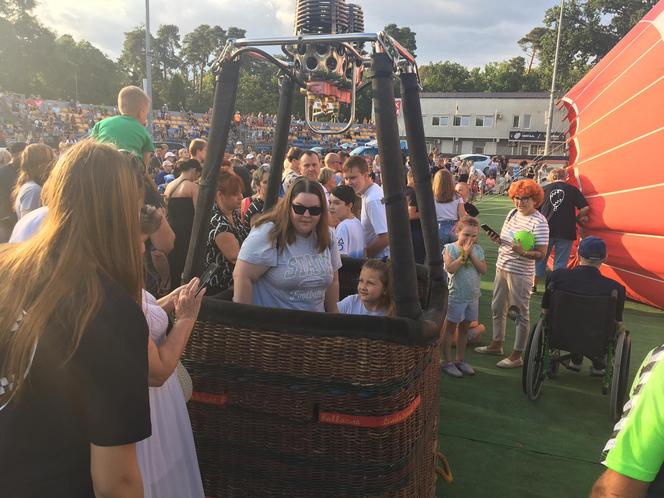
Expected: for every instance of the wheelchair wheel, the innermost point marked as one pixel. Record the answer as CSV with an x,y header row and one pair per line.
x,y
533,375
620,376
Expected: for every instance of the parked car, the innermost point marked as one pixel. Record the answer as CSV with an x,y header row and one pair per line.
x,y
480,161
371,149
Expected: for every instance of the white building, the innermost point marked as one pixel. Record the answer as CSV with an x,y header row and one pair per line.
x,y
511,123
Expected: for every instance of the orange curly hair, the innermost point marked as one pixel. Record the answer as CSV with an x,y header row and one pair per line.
x,y
527,188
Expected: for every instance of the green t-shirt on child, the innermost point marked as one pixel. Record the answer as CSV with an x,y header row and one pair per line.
x,y
636,448
126,133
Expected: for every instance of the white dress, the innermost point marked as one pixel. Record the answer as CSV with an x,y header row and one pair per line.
x,y
167,458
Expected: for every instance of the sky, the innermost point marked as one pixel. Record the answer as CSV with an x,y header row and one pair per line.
x,y
471,32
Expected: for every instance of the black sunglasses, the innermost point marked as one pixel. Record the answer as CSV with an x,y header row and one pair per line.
x,y
313,210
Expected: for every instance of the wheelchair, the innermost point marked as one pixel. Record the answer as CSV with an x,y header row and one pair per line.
x,y
564,327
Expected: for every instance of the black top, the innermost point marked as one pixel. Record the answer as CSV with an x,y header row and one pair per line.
x,y
223,278
560,203
180,216
8,177
255,208
587,281
100,396
243,173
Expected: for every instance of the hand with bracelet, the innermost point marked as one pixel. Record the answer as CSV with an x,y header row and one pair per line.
x,y
518,248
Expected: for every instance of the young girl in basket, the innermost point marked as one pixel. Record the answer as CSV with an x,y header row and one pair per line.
x,y
374,295
464,262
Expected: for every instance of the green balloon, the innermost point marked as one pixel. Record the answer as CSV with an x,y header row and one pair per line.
x,y
526,238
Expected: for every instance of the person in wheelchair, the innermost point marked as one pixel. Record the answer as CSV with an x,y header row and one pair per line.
x,y
586,279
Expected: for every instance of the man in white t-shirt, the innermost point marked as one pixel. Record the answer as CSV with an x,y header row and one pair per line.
x,y
373,218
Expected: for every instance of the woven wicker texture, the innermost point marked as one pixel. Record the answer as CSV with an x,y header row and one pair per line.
x,y
278,414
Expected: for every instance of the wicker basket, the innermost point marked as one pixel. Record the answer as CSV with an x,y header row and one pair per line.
x,y
297,404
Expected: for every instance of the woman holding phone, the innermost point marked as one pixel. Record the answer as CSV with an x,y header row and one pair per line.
x,y
290,259
73,337
515,269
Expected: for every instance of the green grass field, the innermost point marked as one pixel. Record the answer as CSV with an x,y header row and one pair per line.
x,y
500,444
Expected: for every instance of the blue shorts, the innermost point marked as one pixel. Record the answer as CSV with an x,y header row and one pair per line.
x,y
460,312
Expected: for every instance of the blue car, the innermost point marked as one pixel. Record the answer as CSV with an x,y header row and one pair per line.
x,y
371,149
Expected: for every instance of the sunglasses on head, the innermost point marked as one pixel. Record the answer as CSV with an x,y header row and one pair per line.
x,y
313,210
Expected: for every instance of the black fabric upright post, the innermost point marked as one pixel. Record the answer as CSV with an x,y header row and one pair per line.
x,y
401,244
280,145
223,108
417,148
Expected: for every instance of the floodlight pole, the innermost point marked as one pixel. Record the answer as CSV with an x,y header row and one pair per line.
x,y
549,119
148,64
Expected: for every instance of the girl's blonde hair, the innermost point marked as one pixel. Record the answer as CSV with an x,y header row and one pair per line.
x,y
466,221
91,234
383,270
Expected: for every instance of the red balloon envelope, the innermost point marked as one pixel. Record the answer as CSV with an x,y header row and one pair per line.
x,y
616,115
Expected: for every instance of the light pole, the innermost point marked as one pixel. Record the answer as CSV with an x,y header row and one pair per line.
x,y
148,63
549,120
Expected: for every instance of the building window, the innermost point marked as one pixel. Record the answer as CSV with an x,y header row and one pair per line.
x,y
479,121
526,121
488,121
478,147
515,121
440,121
461,121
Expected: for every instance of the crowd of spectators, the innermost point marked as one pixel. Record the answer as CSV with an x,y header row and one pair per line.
x,y
288,257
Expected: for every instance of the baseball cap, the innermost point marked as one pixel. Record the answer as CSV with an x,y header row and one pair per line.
x,y
169,154
238,143
592,248
250,156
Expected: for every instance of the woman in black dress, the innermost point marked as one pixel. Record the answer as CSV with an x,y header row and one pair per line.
x,y
227,231
181,196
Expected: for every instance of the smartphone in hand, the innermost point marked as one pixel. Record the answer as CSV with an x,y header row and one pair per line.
x,y
490,231
206,277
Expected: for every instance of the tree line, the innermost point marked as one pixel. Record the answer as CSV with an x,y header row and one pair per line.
x,y
34,60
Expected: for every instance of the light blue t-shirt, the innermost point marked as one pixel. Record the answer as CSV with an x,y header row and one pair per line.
x,y
350,238
464,285
28,225
352,305
298,276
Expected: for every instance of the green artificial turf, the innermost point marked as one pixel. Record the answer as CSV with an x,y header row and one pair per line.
x,y
500,444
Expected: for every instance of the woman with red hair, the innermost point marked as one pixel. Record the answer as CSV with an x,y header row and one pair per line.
x,y
515,268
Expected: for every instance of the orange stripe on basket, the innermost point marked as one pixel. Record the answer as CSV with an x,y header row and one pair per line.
x,y
362,421
209,398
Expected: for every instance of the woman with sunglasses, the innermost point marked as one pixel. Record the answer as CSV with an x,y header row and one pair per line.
x,y
290,259
515,269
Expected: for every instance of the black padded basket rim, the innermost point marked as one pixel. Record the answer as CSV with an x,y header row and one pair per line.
x,y
403,331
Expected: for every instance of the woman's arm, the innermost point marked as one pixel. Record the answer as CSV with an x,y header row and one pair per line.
x,y
115,472
162,360
244,276
413,213
194,194
461,210
538,253
164,238
332,295
228,245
